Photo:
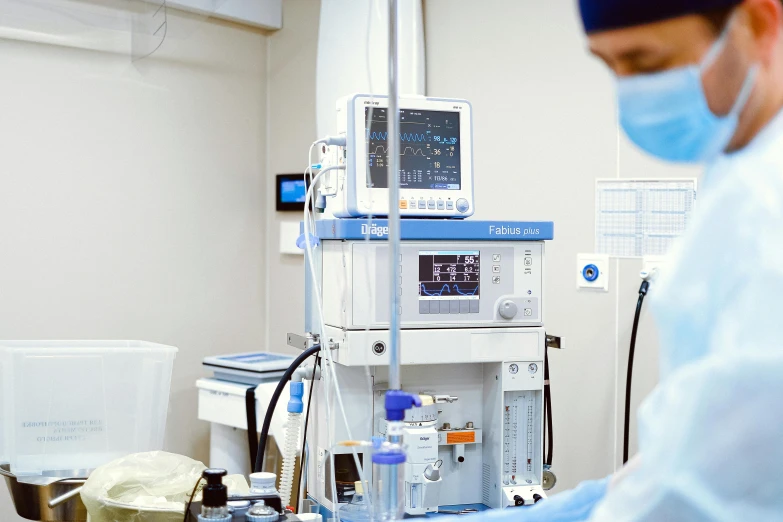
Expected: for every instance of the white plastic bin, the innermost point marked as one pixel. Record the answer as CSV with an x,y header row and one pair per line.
x,y
71,406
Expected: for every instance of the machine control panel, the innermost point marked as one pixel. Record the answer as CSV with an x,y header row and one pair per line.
x,y
443,284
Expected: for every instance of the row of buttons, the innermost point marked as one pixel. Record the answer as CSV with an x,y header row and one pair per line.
x,y
431,204
453,306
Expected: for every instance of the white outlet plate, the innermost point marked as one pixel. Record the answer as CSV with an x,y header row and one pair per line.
x,y
650,263
601,263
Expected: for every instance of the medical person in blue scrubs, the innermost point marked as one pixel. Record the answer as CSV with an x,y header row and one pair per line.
x,y
701,81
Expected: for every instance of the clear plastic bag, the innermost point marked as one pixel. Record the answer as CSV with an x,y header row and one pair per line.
x,y
147,487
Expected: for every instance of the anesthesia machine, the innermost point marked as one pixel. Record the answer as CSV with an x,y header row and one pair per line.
x,y
468,303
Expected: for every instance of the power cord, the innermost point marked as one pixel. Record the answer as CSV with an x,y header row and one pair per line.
x,y
190,500
548,433
629,377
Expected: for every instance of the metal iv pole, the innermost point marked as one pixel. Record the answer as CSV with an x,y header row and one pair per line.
x,y
389,457
393,168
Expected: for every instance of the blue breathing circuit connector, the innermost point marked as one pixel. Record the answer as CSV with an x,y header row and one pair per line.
x,y
397,401
295,404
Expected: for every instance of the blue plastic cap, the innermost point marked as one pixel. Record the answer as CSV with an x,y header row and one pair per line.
x,y
388,457
295,404
397,401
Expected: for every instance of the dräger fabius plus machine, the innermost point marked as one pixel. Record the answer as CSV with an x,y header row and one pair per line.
x,y
469,303
472,346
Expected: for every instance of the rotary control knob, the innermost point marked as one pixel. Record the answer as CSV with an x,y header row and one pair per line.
x,y
463,205
508,309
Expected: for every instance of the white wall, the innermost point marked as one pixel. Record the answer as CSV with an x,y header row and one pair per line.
x,y
292,128
545,129
132,201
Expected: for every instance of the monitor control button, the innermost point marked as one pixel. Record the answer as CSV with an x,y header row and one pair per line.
x,y
463,205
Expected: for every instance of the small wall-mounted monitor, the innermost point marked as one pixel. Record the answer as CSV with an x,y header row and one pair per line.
x,y
291,192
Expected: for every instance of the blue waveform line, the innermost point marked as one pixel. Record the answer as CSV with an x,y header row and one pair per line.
x,y
404,136
447,289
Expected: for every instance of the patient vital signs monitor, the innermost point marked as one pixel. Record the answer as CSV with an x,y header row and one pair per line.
x,y
436,163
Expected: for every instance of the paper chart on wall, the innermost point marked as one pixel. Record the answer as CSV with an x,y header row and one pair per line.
x,y
641,217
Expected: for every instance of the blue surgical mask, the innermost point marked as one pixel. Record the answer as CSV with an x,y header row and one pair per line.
x,y
667,114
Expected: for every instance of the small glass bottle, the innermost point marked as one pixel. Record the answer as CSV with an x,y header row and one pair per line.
x,y
214,503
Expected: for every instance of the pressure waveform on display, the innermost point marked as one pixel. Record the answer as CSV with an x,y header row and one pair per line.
x,y
404,136
380,149
448,289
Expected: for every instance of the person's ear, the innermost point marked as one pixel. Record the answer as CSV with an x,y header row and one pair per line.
x,y
766,24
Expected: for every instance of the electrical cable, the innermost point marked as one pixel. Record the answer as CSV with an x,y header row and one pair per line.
x,y
629,376
548,410
302,470
313,350
190,501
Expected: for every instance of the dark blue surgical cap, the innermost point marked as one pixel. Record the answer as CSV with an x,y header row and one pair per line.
x,y
602,15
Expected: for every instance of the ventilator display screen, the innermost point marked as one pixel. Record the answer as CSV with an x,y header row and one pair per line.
x,y
449,275
429,149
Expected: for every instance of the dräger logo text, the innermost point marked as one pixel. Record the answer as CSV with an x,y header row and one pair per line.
x,y
374,230
512,231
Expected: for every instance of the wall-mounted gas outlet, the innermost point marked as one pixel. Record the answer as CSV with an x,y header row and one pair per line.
x,y
592,271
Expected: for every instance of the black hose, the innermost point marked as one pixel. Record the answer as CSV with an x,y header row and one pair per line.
x,y
252,424
629,375
270,409
548,411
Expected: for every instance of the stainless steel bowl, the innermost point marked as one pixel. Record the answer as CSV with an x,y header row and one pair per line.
x,y
40,501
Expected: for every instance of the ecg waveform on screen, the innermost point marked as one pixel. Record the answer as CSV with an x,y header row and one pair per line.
x,y
404,136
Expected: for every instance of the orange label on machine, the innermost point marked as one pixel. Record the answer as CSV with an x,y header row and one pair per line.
x,y
460,437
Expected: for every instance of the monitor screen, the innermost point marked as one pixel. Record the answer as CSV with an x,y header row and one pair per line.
x,y
449,275
429,149
291,192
